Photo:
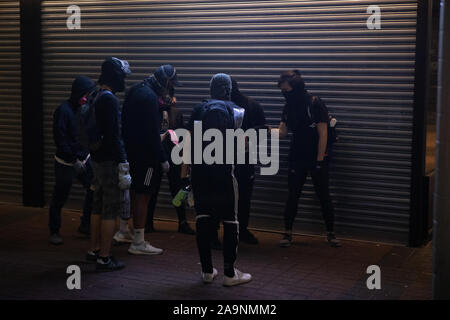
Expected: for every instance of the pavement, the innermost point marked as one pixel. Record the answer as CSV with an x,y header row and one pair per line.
x,y
31,268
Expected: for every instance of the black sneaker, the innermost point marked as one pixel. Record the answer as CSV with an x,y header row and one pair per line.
x,y
92,256
247,237
286,241
109,265
332,241
185,228
55,239
84,229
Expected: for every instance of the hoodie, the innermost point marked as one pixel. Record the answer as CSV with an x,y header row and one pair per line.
x,y
65,123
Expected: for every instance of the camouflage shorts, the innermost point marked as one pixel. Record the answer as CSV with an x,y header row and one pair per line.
x,y
109,200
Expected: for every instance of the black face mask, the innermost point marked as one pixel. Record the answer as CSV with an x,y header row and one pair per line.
x,y
293,95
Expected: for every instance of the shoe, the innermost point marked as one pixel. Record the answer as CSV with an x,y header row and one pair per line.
x,y
84,229
185,228
286,241
92,256
110,265
332,241
144,248
123,237
55,239
209,277
239,278
247,237
216,244
149,229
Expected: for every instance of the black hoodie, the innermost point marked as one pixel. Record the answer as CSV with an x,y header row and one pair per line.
x,y
65,124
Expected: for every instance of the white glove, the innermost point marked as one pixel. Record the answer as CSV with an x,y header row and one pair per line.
x,y
165,166
79,167
124,176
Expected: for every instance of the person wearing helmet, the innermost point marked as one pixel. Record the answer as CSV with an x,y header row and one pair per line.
x,y
71,159
141,126
111,169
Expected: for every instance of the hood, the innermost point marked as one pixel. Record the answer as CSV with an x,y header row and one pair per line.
x,y
220,86
80,86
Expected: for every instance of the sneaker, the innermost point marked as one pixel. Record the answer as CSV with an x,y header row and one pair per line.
x,y
185,228
239,278
247,237
92,256
123,237
84,229
332,241
55,239
144,248
209,277
286,241
109,265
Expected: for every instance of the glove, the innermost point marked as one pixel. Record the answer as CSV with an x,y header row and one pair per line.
x,y
79,167
165,166
124,176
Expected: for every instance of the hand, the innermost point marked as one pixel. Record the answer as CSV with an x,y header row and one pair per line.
x,y
320,164
124,176
185,182
79,167
164,135
165,166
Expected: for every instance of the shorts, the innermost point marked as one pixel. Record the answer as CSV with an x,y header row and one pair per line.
x,y
145,178
109,200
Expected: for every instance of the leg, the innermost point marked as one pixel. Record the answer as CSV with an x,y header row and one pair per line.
x,y
245,175
296,179
204,228
152,204
321,186
63,176
86,181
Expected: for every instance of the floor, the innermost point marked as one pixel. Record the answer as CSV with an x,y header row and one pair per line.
x,y
30,268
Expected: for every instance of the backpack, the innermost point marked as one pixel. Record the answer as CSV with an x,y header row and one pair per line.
x,y
90,137
223,111
331,125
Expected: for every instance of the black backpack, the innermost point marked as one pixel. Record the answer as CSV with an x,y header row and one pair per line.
x,y
90,136
331,125
222,110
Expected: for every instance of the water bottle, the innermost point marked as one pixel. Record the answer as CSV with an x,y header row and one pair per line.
x,y
181,196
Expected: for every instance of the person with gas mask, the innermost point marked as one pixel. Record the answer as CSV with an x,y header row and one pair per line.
x,y
141,127
71,159
111,168
245,173
214,185
171,119
306,116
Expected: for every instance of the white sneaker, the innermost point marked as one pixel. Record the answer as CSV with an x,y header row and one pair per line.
x,y
144,248
209,277
239,278
123,237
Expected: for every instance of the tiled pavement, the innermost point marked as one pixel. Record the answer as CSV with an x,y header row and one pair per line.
x,y
30,268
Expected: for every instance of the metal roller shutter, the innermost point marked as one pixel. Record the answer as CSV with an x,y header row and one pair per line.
x,y
366,77
10,103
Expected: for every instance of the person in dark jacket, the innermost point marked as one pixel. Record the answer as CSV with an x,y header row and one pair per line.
x,y
71,159
306,117
171,119
111,169
141,127
245,173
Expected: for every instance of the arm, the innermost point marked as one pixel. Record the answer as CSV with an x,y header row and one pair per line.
x,y
113,129
60,136
154,129
282,130
323,137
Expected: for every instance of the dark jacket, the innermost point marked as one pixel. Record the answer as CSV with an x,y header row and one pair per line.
x,y
141,125
65,123
108,120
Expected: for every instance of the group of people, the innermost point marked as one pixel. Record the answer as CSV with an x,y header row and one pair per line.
x,y
119,155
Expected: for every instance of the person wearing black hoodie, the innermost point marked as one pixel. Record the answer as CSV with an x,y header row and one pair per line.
x,y
71,159
245,173
306,116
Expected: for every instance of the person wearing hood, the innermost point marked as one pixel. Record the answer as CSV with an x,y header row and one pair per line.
x,y
111,169
71,159
215,187
245,173
306,116
141,127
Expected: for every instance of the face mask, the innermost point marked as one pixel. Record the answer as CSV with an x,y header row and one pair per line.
x,y
82,101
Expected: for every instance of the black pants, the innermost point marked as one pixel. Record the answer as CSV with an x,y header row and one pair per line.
x,y
296,179
64,176
215,196
245,176
174,177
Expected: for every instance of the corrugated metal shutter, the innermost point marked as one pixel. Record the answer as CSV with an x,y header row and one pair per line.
x,y
365,76
10,103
